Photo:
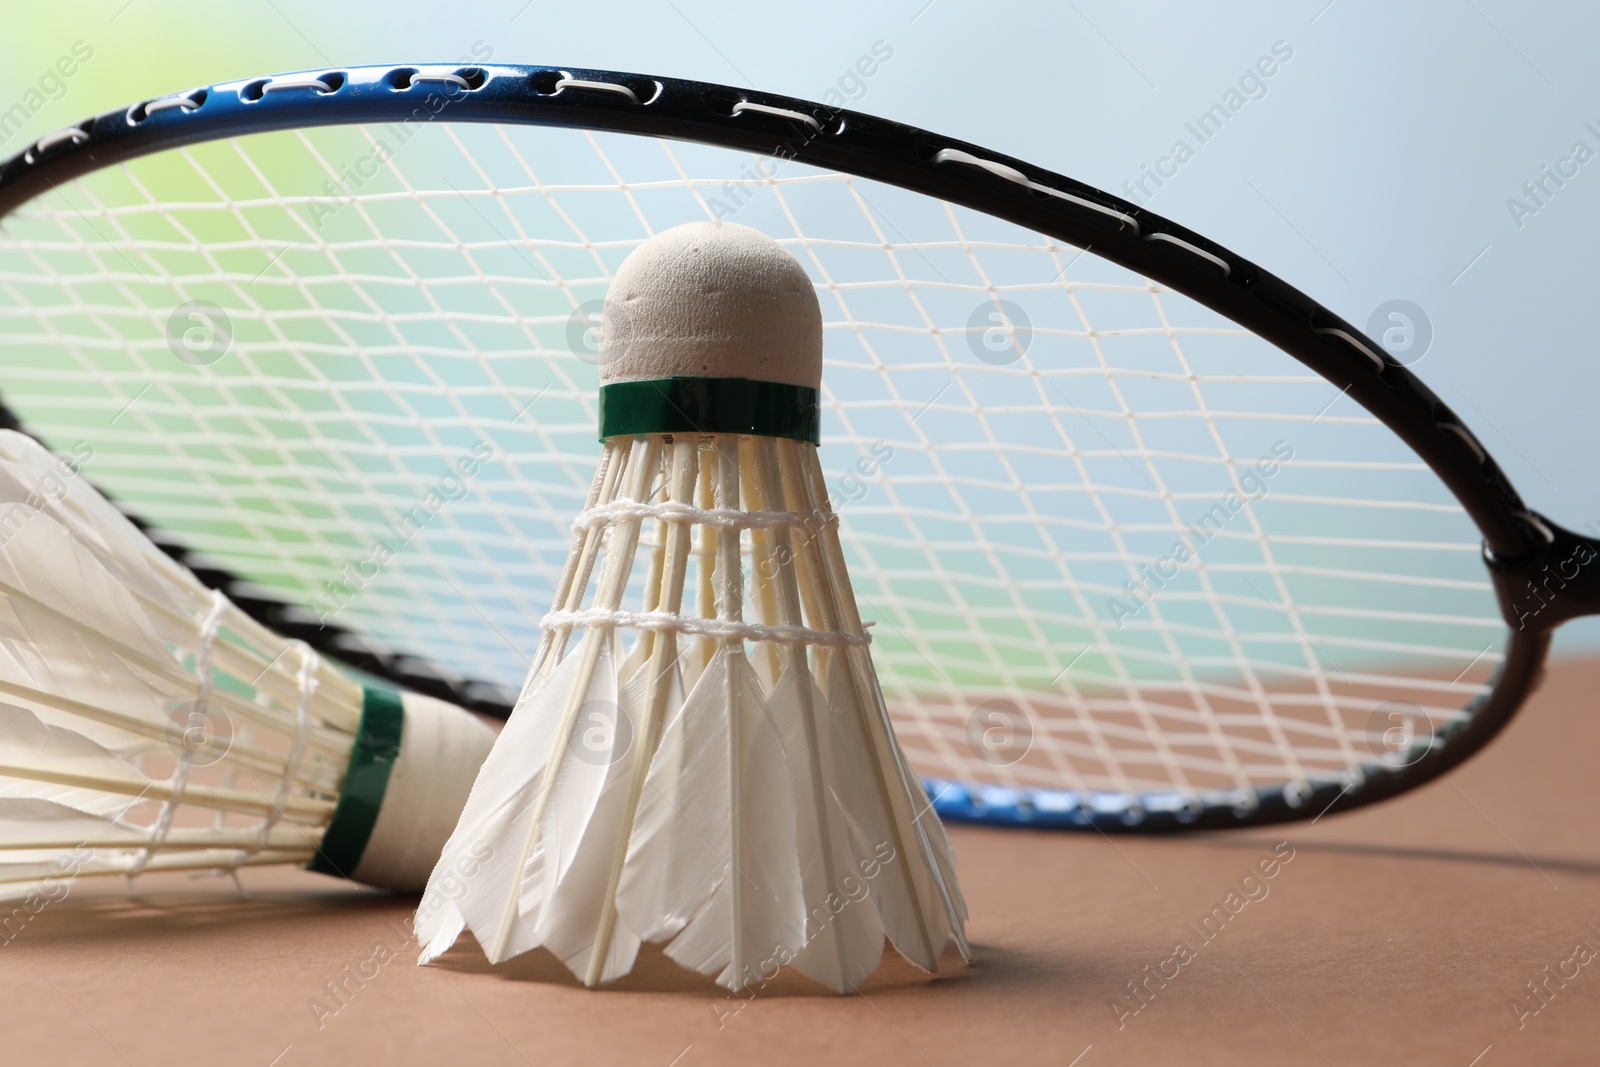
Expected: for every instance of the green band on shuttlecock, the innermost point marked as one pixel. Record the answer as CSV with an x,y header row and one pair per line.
x,y
710,405
365,782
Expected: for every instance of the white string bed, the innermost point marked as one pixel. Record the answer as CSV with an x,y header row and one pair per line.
x,y
405,306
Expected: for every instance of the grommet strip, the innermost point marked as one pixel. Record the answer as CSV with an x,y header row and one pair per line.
x,y
779,112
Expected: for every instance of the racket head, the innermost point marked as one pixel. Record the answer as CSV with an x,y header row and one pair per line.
x,y
123,220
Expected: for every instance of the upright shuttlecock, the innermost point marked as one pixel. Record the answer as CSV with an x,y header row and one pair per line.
x,y
147,724
720,775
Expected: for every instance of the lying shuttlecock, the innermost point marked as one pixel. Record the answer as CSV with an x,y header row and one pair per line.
x,y
147,724
728,785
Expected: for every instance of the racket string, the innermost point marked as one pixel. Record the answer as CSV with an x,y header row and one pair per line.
x,y
379,333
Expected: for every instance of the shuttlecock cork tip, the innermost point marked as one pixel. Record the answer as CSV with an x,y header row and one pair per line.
x,y
711,300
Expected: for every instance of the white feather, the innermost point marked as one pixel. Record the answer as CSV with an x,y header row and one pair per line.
x,y
576,914
33,822
32,881
27,743
844,937
713,857
32,475
900,883
584,768
69,624
483,862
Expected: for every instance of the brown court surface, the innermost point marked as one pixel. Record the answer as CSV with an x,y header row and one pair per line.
x,y
1402,934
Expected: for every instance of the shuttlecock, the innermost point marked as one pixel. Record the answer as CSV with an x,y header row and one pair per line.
x,y
718,775
148,724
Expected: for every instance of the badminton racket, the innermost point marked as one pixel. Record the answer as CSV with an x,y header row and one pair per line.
x,y
1149,540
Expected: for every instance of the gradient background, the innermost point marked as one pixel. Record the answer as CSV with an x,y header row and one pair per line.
x,y
1377,166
